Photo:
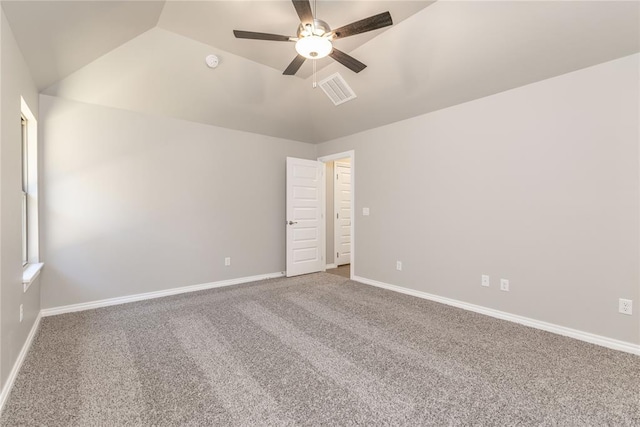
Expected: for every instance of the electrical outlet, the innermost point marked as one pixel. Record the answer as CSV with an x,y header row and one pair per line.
x,y
399,265
21,312
504,285
625,306
227,261
485,280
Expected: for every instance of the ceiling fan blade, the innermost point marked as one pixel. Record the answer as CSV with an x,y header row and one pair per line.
x,y
347,60
260,36
294,66
367,24
303,8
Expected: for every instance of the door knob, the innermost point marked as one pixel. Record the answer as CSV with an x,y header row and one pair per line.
x,y
292,222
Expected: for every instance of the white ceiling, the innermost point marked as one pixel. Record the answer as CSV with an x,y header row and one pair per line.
x,y
148,56
59,37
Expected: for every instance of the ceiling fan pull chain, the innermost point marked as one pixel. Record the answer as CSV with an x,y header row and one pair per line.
x,y
315,84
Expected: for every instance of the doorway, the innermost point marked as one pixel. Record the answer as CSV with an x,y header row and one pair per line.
x,y
339,208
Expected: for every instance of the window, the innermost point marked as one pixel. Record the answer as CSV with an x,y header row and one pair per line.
x,y
25,193
29,149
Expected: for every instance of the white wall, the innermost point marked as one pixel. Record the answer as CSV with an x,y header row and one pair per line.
x,y
135,203
539,185
15,81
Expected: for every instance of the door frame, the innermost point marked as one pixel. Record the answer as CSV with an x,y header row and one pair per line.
x,y
351,154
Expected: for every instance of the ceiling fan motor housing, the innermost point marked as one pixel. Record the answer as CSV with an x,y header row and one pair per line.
x,y
318,28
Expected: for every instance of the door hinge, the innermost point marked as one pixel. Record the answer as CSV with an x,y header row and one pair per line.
x,y
337,176
337,254
337,216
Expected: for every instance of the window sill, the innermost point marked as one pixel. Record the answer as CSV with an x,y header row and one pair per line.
x,y
31,271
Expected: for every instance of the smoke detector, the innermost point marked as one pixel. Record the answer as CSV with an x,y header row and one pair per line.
x,y
212,61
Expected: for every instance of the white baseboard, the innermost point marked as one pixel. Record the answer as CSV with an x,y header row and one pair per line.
x,y
330,266
545,326
151,295
6,390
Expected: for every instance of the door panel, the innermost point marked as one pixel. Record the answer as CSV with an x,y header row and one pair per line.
x,y
304,220
342,206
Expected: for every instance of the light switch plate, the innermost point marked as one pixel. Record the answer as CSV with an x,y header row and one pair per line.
x,y
365,211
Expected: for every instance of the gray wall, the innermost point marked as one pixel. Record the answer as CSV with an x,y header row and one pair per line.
x,y
538,185
15,81
136,203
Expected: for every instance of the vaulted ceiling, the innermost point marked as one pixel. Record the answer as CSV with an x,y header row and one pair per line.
x,y
148,56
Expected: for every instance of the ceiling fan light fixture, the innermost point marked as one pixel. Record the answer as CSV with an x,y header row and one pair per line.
x,y
314,47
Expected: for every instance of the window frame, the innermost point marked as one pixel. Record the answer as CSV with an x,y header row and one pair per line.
x,y
25,189
30,241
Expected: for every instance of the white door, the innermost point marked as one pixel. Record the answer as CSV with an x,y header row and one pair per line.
x,y
342,207
304,222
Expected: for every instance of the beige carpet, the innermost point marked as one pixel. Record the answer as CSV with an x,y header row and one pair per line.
x,y
313,350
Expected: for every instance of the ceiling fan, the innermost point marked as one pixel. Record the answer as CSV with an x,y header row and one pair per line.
x,y
315,38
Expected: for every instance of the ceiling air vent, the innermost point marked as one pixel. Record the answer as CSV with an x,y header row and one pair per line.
x,y
337,89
